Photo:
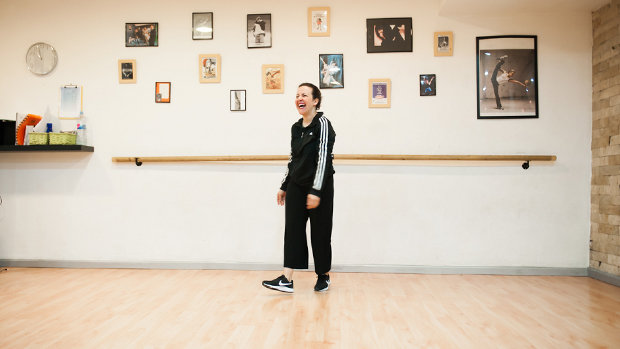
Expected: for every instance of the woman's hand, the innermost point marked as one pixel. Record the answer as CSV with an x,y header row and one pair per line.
x,y
281,196
312,201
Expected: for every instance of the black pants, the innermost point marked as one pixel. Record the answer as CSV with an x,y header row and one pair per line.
x,y
295,242
498,66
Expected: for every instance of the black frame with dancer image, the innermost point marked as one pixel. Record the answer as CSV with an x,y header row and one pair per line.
x,y
331,71
259,30
237,100
147,35
428,85
507,76
389,35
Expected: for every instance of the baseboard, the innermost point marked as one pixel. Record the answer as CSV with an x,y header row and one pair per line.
x,y
417,269
387,269
603,276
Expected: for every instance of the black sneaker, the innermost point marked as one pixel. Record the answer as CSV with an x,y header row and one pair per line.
x,y
280,284
322,283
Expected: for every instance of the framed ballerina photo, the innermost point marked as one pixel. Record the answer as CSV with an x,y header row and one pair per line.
x,y
379,93
507,77
318,21
428,85
331,71
389,35
259,30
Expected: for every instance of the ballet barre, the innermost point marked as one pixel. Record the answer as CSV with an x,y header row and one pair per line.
x,y
525,159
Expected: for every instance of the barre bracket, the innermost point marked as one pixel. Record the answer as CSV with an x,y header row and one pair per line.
x,y
526,165
138,162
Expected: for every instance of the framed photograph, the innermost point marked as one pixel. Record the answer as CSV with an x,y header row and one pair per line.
x,y
141,34
259,30
379,93
162,92
209,68
443,43
273,78
428,85
237,100
127,73
507,76
389,35
318,21
331,71
202,25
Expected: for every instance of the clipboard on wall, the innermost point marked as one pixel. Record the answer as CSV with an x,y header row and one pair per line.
x,y
70,102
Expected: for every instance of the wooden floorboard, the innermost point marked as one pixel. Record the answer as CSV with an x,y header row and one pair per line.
x,y
131,308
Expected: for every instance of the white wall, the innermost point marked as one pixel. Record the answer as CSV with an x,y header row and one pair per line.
x,y
83,207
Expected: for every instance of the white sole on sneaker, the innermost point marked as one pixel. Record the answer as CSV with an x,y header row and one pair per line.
x,y
279,288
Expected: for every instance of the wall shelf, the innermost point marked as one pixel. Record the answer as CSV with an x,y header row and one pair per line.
x,y
47,148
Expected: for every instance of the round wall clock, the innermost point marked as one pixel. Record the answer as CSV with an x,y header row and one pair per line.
x,y
41,58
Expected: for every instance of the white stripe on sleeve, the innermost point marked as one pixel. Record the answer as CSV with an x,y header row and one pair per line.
x,y
320,169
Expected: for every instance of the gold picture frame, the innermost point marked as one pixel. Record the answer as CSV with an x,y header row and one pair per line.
x,y
318,21
379,93
209,68
443,43
127,73
273,78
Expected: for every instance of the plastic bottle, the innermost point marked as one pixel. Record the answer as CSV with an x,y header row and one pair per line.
x,y
79,140
84,138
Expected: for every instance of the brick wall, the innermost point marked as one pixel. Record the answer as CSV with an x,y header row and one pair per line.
x,y
605,220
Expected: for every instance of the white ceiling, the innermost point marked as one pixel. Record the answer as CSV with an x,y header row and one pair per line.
x,y
470,7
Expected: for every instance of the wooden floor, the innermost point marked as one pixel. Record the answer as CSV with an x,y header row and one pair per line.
x,y
126,308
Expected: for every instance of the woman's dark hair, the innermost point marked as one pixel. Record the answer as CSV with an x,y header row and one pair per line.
x,y
316,93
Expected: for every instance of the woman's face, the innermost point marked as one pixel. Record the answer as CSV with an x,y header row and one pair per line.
x,y
303,100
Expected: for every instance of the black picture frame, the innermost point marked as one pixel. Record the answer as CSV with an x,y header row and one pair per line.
x,y
142,34
259,30
237,100
428,85
163,91
507,77
202,26
389,35
331,71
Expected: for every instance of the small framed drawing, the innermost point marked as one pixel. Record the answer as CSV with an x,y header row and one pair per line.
x,y
209,68
318,21
141,34
379,93
443,43
389,35
428,85
202,25
273,78
127,73
331,71
237,100
162,92
507,77
259,30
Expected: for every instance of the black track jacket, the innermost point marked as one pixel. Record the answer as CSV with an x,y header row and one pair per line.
x,y
311,154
